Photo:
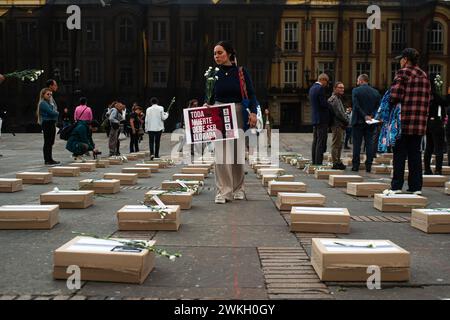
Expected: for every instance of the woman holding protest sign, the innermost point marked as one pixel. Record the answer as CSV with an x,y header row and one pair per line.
x,y
232,85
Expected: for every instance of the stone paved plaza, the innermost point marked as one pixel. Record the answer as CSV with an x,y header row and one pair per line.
x,y
240,250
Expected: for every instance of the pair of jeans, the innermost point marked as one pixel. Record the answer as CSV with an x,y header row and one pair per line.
x,y
360,132
435,144
336,145
319,145
407,147
134,142
154,142
49,130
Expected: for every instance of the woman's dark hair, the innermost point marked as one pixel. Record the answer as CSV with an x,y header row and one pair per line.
x,y
154,101
83,101
49,83
228,48
191,103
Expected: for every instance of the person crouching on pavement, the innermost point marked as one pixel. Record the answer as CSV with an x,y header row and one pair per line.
x,y
340,122
80,140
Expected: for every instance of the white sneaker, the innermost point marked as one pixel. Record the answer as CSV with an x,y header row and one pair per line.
x,y
239,195
220,199
391,192
417,193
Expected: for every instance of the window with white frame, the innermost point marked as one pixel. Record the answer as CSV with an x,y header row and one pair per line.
x,y
93,31
436,37
159,31
126,30
188,70
63,67
290,73
258,34
291,36
258,70
189,31
327,36
60,31
395,66
159,73
93,70
224,30
126,75
327,67
434,70
363,68
398,37
363,37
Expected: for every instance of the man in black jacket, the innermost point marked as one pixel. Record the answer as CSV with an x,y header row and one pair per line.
x,y
320,118
365,103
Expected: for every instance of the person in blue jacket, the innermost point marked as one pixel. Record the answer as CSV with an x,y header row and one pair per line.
x,y
80,140
47,117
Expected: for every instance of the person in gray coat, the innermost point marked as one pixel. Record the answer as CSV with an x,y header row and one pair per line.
x,y
339,124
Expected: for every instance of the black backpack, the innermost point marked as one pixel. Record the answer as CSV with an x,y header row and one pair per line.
x,y
65,132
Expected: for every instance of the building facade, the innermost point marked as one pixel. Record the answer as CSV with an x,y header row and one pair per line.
x,y
134,50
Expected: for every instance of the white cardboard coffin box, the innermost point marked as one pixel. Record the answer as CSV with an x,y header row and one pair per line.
x,y
195,170
103,260
381,169
132,157
115,161
147,218
161,163
326,173
266,171
10,185
434,180
326,220
366,189
311,169
258,166
431,220
188,176
100,163
445,170
126,179
141,154
398,202
286,200
302,163
80,199
28,217
84,166
173,184
35,177
285,186
141,172
154,167
380,160
65,171
102,186
272,177
348,259
200,165
447,188
342,180
183,199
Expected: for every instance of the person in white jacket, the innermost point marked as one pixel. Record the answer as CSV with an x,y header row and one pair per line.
x,y
154,126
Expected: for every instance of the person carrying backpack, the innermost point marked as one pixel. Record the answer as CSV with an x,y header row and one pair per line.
x,y
80,141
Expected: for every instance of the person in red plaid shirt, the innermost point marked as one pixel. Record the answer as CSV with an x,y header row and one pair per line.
x,y
411,88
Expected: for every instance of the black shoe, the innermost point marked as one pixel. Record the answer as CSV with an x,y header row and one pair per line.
x,y
346,148
152,157
355,169
368,170
428,172
338,166
438,173
51,163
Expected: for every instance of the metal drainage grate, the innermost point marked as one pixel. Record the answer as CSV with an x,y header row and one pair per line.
x,y
289,275
396,219
138,188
